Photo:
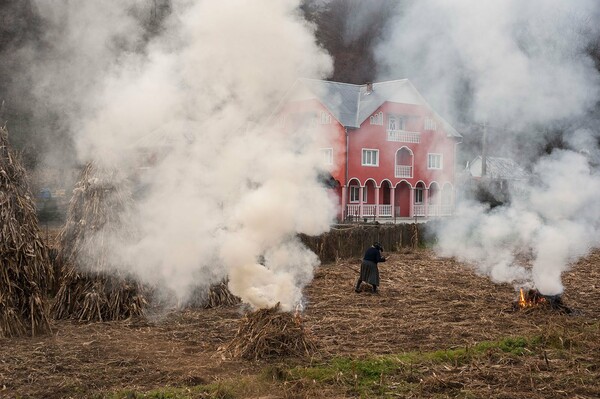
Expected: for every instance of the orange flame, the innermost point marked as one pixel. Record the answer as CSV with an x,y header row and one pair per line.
x,y
532,298
522,301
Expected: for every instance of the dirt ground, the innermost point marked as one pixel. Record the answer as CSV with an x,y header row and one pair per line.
x,y
425,304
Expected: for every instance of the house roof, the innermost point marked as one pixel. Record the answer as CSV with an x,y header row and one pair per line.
x,y
351,104
498,168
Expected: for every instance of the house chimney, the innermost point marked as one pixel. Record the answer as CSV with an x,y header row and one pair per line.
x,y
369,88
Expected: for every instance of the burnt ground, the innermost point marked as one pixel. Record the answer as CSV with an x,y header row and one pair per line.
x,y
426,304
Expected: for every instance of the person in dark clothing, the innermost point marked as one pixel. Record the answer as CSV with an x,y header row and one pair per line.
x,y
369,272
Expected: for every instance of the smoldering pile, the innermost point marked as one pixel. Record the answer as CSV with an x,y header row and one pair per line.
x,y
92,287
270,333
218,295
25,270
533,299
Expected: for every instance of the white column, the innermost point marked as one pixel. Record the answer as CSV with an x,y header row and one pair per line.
x,y
411,206
426,201
393,200
360,201
377,202
344,203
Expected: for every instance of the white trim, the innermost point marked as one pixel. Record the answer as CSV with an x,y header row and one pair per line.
x,y
420,189
429,124
441,160
404,170
351,188
350,200
401,119
376,118
327,156
362,157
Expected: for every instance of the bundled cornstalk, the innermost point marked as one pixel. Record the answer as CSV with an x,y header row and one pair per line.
x,y
93,287
25,270
270,333
218,295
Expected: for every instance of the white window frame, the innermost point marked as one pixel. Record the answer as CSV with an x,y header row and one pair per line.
x,y
325,118
327,156
446,194
354,199
431,165
430,124
419,194
401,122
377,119
363,159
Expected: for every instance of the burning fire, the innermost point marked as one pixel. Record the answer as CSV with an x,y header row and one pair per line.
x,y
530,298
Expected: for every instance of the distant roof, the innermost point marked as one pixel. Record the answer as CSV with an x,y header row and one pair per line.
x,y
498,168
351,104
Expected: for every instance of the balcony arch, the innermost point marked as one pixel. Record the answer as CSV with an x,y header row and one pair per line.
x,y
404,163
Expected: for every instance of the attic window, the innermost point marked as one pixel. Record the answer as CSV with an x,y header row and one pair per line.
x,y
430,124
325,118
377,119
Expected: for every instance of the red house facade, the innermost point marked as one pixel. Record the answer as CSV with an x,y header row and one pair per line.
x,y
391,154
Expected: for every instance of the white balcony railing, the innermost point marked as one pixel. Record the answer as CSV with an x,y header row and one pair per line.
x,y
446,210
368,210
403,171
419,210
385,210
403,136
353,210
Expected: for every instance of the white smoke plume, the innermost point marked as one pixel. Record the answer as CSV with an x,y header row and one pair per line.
x,y
227,192
521,66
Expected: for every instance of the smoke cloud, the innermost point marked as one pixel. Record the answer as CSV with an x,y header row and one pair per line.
x,y
523,68
226,193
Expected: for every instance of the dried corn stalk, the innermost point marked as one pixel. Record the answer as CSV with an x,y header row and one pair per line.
x,y
93,287
25,270
218,295
270,333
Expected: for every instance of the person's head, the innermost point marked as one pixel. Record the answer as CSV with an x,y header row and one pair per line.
x,y
378,246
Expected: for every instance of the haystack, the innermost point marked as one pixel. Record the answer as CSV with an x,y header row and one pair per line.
x,y
25,270
217,296
270,333
93,286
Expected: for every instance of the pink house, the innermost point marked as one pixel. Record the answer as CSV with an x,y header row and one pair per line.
x,y
391,153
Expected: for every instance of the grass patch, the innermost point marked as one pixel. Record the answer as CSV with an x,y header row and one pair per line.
x,y
368,377
425,374
208,391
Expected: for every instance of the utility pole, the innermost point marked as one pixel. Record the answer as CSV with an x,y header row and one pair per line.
x,y
484,151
